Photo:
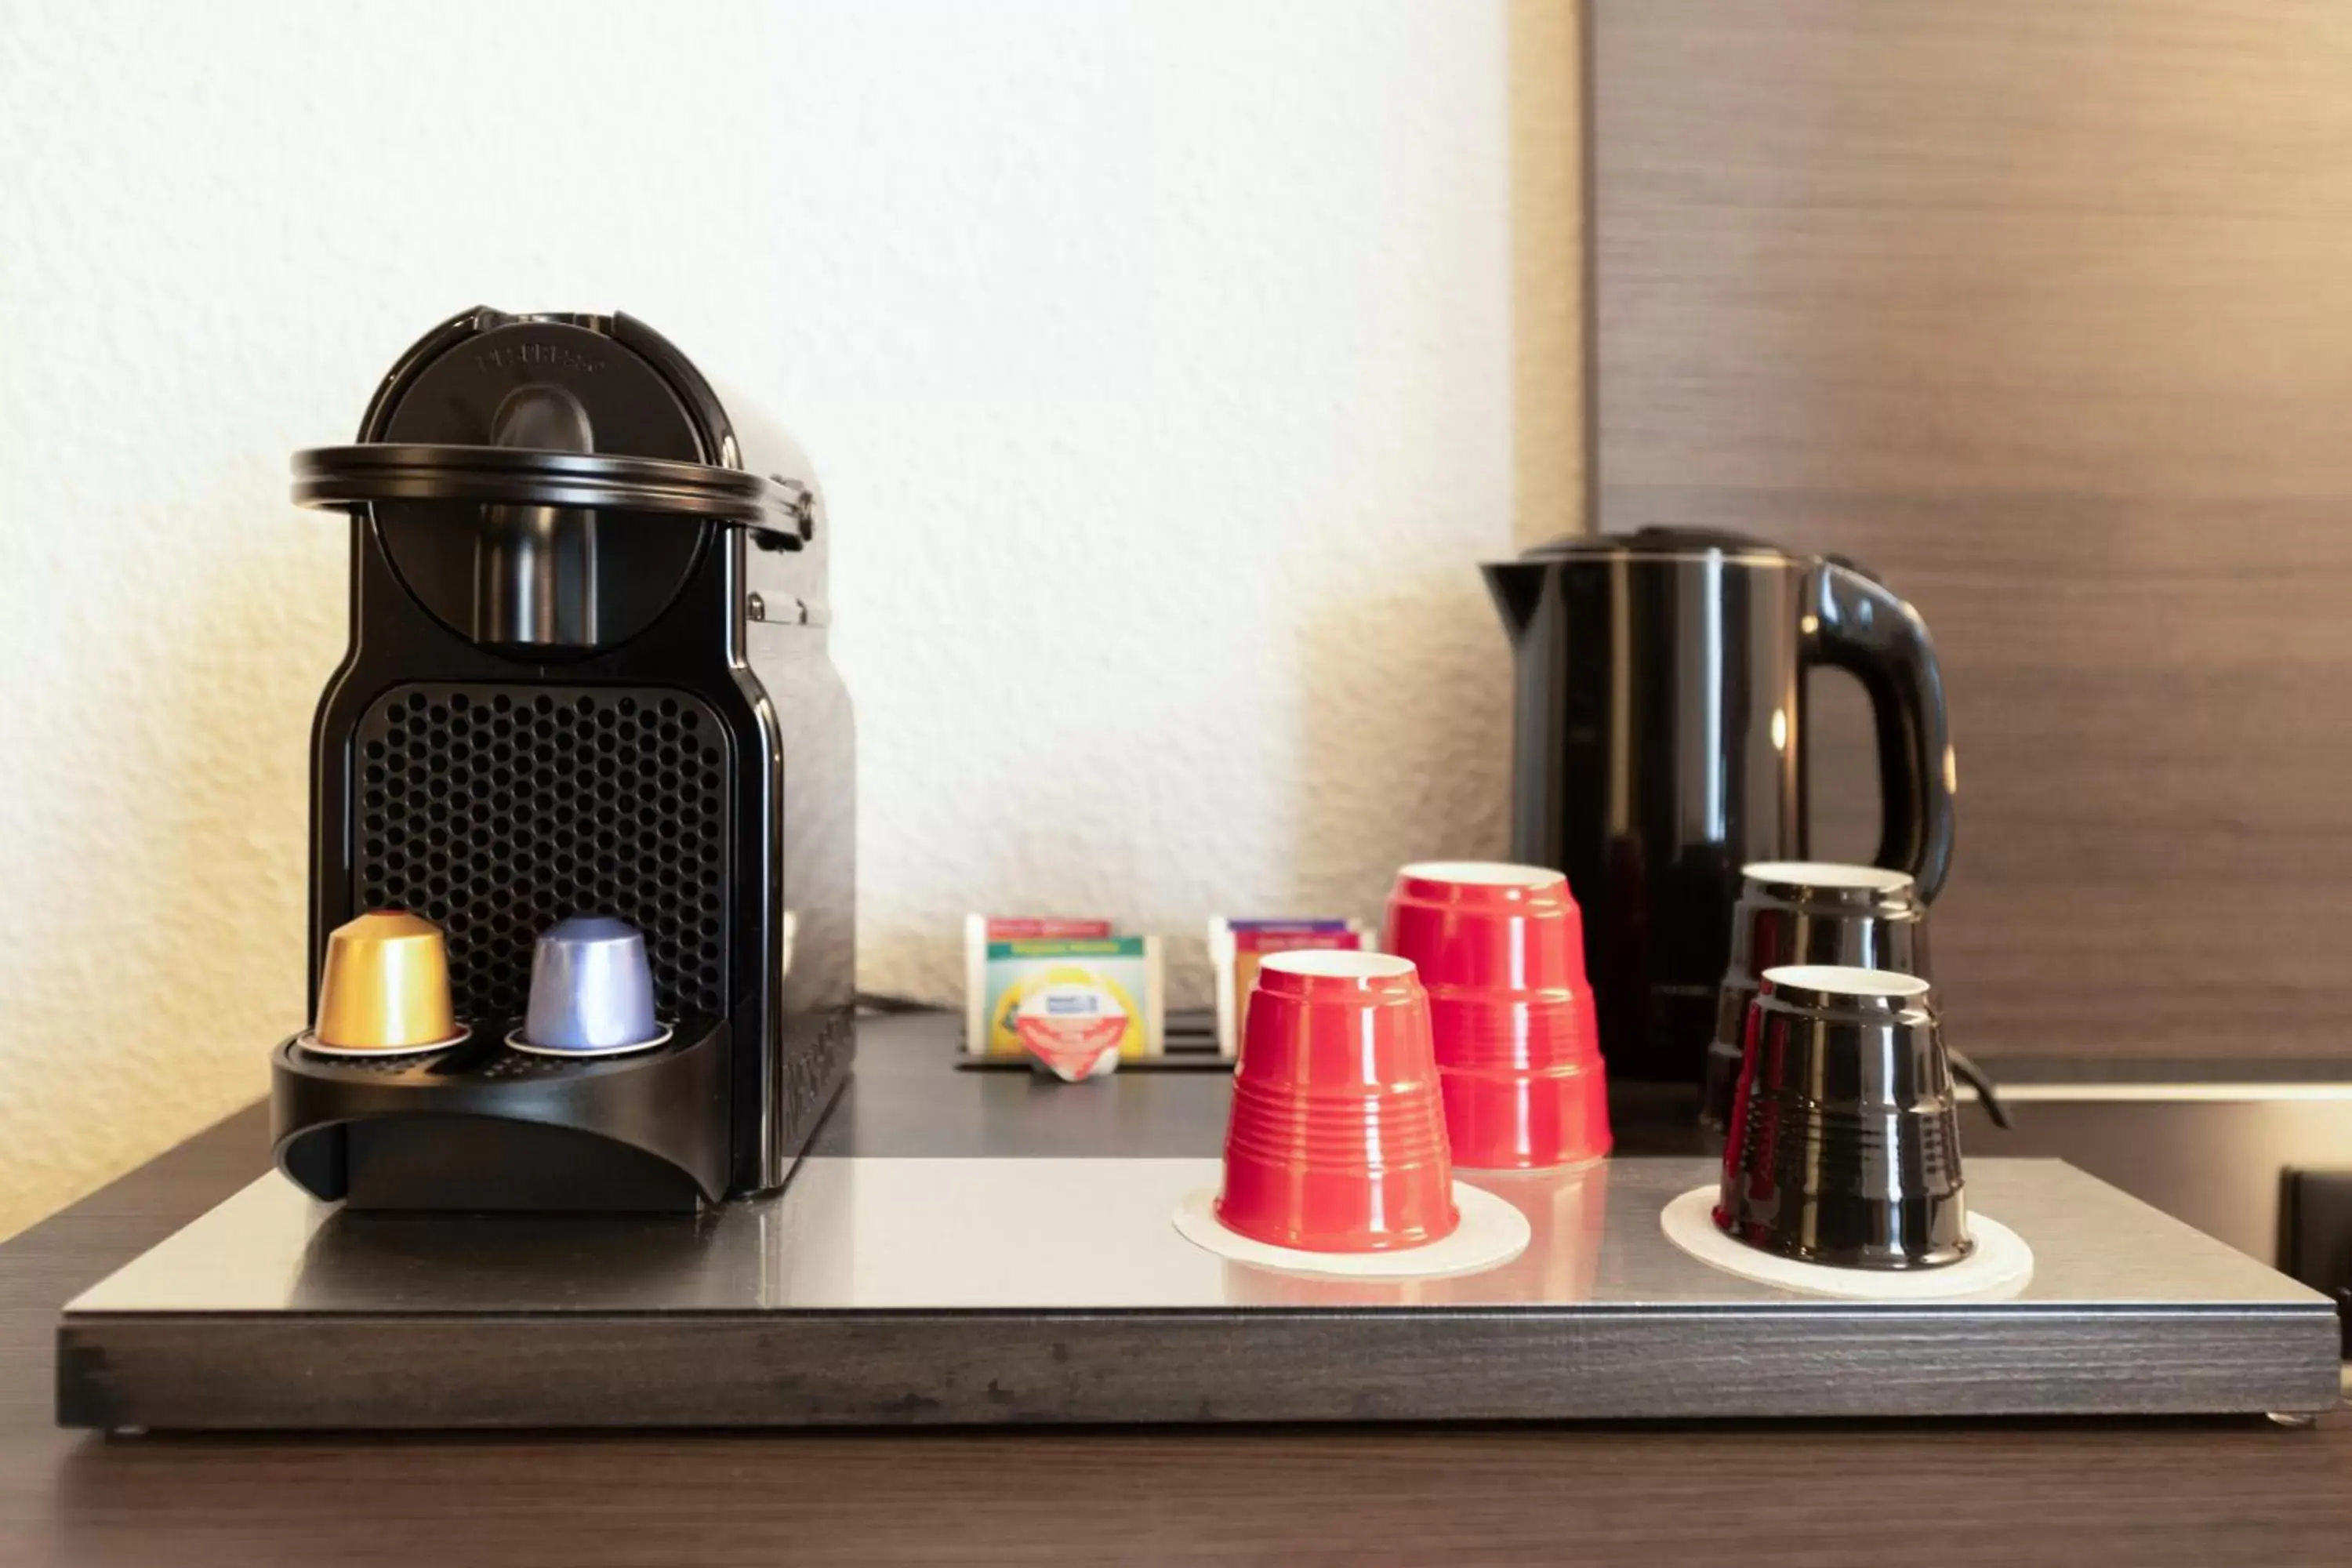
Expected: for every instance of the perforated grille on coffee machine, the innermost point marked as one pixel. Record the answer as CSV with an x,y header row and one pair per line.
x,y
496,811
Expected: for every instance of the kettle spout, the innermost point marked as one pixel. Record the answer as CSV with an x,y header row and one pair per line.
x,y
1517,588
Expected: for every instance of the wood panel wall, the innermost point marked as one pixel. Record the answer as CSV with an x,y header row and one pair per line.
x,y
2044,312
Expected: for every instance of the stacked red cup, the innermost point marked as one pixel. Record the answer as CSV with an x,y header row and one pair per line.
x,y
1501,949
1337,1141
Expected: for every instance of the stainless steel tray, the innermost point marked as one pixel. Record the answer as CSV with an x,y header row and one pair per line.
x,y
887,1286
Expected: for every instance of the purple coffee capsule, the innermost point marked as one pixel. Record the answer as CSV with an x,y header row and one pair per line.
x,y
592,991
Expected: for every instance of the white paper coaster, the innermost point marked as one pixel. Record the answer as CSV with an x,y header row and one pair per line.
x,y
1491,1232
2000,1266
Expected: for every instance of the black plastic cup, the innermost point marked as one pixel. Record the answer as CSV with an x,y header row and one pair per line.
x,y
1845,1141
1807,911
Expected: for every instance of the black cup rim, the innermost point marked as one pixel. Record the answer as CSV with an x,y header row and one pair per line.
x,y
1881,1259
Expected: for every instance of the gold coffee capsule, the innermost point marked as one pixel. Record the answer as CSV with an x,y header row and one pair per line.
x,y
385,987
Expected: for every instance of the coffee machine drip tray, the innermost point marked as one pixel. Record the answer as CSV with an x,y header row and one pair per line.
x,y
967,1249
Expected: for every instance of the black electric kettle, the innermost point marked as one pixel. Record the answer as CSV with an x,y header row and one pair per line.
x,y
1659,746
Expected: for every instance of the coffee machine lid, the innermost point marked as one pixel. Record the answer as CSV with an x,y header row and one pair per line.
x,y
1660,543
609,385
544,484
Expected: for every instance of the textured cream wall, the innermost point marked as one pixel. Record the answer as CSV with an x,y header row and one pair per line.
x,y
1159,361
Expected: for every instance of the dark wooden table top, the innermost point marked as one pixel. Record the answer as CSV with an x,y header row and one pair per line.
x,y
2064,1493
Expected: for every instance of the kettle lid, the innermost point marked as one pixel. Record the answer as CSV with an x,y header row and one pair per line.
x,y
1656,542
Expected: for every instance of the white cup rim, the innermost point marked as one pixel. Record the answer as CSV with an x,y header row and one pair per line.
x,y
1839,980
1483,873
1829,874
1337,964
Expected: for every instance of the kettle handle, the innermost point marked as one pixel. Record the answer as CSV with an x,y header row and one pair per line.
x,y
1857,624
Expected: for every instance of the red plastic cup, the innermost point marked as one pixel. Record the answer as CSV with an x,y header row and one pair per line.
x,y
1337,1141
1501,950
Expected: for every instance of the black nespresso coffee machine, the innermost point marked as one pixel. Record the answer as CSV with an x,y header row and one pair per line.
x,y
588,674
